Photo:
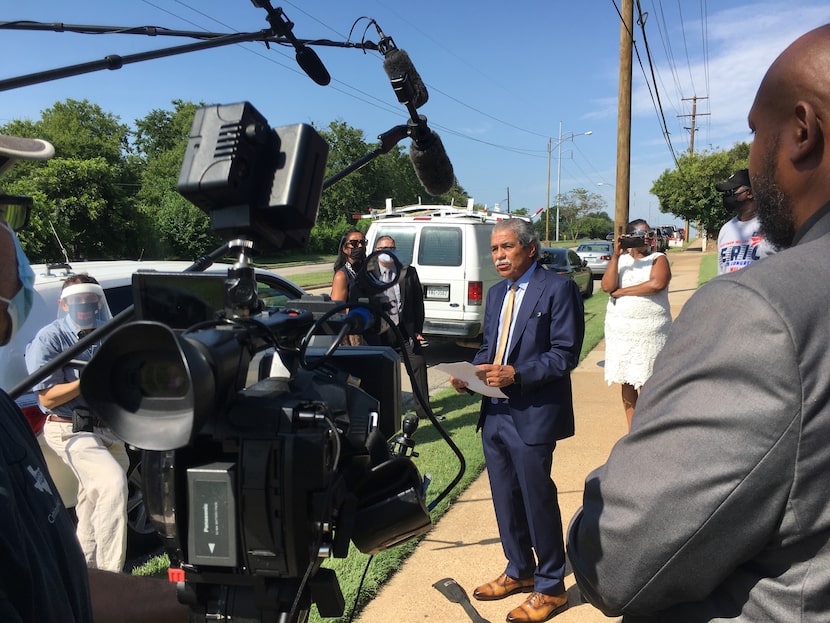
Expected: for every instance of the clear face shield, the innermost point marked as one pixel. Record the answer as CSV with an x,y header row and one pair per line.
x,y
85,305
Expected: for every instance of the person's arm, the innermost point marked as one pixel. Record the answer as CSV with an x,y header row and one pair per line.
x,y
700,484
658,280
340,287
123,598
561,309
416,300
59,394
611,276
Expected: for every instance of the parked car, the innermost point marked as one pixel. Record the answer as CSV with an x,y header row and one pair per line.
x,y
660,242
566,262
115,278
598,255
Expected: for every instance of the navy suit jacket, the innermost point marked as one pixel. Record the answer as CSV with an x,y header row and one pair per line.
x,y
547,340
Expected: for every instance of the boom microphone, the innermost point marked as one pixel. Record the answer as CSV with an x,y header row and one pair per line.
x,y
397,62
311,64
431,164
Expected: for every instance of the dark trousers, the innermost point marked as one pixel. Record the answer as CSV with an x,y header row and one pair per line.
x,y
419,369
525,501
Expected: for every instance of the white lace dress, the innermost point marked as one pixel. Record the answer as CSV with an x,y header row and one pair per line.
x,y
636,327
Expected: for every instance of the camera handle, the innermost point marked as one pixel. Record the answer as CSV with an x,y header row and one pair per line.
x,y
404,444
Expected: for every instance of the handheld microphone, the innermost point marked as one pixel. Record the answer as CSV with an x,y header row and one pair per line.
x,y
431,163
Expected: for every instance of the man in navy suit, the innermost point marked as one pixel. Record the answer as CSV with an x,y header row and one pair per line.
x,y
543,337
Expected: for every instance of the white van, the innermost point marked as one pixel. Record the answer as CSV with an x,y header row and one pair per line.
x,y
450,247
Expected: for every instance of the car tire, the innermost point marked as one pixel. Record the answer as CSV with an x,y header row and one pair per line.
x,y
589,289
142,537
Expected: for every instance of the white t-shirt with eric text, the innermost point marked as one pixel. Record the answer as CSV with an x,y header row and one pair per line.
x,y
740,243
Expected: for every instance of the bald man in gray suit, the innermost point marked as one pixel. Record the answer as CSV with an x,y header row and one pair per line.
x,y
716,505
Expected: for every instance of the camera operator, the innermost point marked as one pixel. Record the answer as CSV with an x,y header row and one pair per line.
x,y
44,577
638,316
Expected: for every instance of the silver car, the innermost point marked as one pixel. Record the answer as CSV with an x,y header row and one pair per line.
x,y
597,253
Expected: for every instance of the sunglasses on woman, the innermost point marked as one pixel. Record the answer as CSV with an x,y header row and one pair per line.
x,y
356,243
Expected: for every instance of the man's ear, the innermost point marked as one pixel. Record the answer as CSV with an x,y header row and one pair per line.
x,y
807,132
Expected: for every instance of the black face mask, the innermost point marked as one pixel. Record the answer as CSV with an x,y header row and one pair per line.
x,y
358,254
733,203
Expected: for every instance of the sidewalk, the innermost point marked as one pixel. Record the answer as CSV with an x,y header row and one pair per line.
x,y
465,546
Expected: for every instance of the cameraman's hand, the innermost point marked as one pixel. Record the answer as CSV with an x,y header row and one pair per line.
x,y
618,248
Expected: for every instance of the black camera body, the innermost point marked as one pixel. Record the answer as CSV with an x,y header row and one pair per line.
x,y
253,484
631,242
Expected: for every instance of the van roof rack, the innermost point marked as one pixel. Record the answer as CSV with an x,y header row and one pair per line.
x,y
443,211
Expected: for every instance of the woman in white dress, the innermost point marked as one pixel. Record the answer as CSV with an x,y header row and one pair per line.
x,y
638,317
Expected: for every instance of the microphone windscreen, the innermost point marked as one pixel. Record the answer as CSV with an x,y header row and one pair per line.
x,y
398,62
432,166
311,64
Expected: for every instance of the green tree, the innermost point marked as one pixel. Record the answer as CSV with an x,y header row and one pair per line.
x,y
689,191
171,226
574,207
84,195
389,176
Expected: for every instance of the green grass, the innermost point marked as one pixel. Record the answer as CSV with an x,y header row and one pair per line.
x,y
313,280
708,268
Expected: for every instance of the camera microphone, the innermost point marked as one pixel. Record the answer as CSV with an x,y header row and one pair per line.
x,y
431,163
359,319
307,58
311,64
396,63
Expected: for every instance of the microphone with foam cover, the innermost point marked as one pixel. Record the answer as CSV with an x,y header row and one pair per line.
x,y
431,164
396,63
311,64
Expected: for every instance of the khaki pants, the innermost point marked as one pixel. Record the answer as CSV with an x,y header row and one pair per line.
x,y
99,461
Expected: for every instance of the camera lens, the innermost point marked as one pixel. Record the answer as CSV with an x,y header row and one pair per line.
x,y
163,379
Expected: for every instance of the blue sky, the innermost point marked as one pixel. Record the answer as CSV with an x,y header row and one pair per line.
x,y
501,77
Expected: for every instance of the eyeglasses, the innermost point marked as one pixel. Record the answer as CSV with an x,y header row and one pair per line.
x,y
356,243
384,248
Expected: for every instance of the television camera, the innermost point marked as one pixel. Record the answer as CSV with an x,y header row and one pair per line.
x,y
252,485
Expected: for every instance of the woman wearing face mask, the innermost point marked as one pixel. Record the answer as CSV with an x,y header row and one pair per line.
x,y
638,318
347,265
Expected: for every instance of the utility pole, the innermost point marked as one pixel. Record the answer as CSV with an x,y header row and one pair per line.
x,y
623,184
694,115
692,129
547,202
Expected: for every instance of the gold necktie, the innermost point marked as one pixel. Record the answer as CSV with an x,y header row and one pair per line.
x,y
505,325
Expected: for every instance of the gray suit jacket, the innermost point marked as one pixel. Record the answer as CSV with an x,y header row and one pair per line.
x,y
717,505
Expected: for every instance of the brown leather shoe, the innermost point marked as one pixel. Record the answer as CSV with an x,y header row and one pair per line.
x,y
501,587
538,607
